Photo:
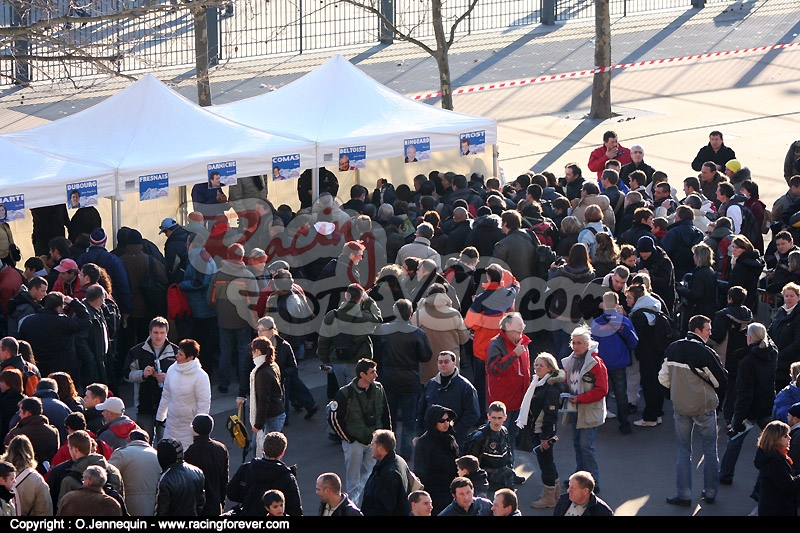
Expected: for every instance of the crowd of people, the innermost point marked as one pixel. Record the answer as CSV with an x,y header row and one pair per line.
x,y
423,304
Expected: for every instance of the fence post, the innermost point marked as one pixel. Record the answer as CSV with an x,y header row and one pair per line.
x,y
300,33
549,12
212,25
387,9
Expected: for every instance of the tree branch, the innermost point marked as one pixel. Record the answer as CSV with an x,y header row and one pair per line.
x,y
399,34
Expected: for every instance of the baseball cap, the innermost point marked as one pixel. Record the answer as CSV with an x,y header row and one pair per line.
x,y
113,404
66,265
167,223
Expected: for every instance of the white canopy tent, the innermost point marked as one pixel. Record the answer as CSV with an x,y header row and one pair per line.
x,y
42,178
338,106
149,129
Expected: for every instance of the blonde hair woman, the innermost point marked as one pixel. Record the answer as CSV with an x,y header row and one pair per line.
x,y
31,493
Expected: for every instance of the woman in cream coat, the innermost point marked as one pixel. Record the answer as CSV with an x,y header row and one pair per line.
x,y
187,393
31,493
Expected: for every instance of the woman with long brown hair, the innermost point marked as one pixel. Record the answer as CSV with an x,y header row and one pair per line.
x,y
777,487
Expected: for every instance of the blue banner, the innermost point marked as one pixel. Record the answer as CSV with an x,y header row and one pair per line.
x,y
285,167
83,194
473,142
352,158
12,207
154,186
418,149
226,171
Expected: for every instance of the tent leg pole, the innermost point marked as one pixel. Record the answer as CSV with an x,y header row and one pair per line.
x,y
315,186
495,163
183,206
116,218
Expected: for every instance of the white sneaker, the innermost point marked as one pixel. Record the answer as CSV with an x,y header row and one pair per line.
x,y
648,423
609,414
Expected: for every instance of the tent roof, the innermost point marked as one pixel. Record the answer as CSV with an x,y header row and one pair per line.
x,y
43,178
338,105
148,128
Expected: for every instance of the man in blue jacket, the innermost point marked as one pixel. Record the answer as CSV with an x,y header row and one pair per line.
x,y
616,338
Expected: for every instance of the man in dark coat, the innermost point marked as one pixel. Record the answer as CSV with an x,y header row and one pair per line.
x,y
387,489
400,349
176,251
249,483
453,391
715,151
180,489
97,254
210,456
655,262
680,238
580,499
332,501
35,426
51,334
92,344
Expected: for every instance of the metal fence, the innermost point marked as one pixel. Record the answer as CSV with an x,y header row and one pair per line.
x,y
256,28
580,9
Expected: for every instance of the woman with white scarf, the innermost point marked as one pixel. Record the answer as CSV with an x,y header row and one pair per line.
x,y
186,394
267,412
538,416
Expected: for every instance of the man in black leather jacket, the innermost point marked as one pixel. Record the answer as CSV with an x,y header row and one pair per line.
x,y
180,490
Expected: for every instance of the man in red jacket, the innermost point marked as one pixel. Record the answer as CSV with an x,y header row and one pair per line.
x,y
610,149
508,368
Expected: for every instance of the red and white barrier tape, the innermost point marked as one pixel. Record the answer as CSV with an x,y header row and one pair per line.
x,y
581,73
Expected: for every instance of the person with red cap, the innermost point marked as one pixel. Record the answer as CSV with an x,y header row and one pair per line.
x,y
67,282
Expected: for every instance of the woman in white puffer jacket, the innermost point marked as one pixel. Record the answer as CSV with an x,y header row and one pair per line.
x,y
186,394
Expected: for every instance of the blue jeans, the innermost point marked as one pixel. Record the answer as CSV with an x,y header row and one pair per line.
x,y
358,463
406,404
585,455
618,381
344,373
233,341
707,425
732,450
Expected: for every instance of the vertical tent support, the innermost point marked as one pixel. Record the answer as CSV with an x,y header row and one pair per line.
x,y
495,163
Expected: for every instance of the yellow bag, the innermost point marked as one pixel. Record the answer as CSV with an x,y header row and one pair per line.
x,y
238,431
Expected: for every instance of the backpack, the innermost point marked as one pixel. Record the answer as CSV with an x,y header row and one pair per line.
x,y
108,489
545,256
544,231
767,223
750,227
664,330
30,380
177,303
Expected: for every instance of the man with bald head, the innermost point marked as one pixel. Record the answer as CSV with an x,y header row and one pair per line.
x,y
457,236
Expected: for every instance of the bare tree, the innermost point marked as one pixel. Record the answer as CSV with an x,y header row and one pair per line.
x,y
69,39
410,29
601,86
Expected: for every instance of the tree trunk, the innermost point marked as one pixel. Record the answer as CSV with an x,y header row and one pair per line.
x,y
601,87
201,56
442,60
